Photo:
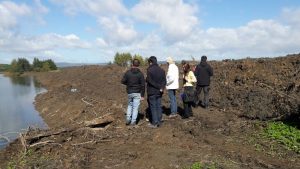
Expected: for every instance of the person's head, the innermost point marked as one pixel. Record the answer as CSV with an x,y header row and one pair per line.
x,y
135,63
186,67
203,58
152,60
183,62
170,60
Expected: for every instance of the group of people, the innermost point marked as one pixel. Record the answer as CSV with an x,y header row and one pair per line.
x,y
194,81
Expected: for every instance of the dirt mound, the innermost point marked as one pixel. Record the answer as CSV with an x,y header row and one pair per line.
x,y
258,88
84,108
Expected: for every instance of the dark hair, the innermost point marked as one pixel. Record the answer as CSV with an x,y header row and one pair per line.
x,y
186,68
203,58
183,62
136,62
152,59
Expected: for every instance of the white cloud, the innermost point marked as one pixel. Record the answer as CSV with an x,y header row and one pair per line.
x,y
51,41
175,17
117,31
291,15
10,12
92,7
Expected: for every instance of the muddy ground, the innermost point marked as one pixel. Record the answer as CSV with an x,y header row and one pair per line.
x,y
244,95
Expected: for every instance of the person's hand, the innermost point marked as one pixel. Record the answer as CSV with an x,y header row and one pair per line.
x,y
142,98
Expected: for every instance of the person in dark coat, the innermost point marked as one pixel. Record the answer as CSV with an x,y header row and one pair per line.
x,y
203,72
135,87
156,82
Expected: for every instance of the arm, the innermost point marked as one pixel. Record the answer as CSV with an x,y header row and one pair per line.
x,y
190,78
170,79
196,71
210,71
151,81
124,79
142,81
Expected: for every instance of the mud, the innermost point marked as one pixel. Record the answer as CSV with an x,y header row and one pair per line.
x,y
226,135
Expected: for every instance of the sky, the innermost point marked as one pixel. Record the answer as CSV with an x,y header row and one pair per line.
x,y
92,31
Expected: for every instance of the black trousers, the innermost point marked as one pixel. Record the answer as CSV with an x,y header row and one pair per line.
x,y
187,103
206,95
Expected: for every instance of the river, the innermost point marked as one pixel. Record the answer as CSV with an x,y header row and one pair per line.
x,y
17,111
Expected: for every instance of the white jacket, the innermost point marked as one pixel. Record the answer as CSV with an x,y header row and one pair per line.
x,y
172,77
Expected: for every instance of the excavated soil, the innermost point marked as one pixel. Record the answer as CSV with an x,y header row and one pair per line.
x,y
244,95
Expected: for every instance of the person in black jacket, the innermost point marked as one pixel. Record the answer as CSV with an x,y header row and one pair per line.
x,y
203,72
135,82
156,82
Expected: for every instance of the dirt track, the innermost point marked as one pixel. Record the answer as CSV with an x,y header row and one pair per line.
x,y
226,135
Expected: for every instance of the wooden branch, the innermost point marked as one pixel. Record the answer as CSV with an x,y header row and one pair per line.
x,y
23,142
87,142
40,136
82,99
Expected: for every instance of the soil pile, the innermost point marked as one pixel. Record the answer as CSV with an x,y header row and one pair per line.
x,y
85,110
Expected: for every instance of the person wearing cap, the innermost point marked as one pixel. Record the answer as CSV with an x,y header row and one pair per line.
x,y
203,72
135,87
172,85
156,82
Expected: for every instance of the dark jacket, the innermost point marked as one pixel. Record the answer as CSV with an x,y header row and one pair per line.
x,y
134,81
156,79
203,72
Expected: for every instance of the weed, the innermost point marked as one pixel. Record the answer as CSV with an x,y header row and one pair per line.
x,y
284,134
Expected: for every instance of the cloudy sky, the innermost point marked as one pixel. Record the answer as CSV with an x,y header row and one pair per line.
x,y
92,31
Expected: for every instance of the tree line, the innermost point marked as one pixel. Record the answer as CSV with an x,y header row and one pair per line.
x,y
124,59
22,65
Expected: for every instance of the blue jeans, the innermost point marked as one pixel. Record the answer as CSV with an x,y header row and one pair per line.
x,y
173,103
155,108
134,100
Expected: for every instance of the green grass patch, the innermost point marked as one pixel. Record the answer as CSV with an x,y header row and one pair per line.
x,y
285,134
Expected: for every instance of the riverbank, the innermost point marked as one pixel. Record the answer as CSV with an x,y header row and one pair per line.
x,y
84,108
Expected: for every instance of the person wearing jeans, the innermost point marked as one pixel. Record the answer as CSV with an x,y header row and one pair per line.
x,y
156,110
135,86
172,85
156,82
134,100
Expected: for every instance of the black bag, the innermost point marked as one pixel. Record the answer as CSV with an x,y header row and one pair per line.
x,y
188,94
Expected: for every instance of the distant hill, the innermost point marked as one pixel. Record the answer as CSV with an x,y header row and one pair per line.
x,y
67,64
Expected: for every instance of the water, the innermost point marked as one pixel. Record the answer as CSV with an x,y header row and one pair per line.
x,y
17,110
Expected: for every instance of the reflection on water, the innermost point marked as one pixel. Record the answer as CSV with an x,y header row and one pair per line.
x,y
17,111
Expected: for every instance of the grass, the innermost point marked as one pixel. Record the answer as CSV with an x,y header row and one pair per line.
x,y
285,134
29,160
198,165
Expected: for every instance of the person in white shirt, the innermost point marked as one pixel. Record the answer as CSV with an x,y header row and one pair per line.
x,y
172,85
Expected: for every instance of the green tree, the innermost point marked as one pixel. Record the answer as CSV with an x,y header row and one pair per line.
x,y
52,65
37,64
123,59
140,58
46,67
23,65
14,66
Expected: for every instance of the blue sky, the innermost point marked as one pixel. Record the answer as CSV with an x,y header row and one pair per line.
x,y
92,31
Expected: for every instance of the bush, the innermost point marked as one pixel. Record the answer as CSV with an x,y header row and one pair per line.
x,y
22,65
124,59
